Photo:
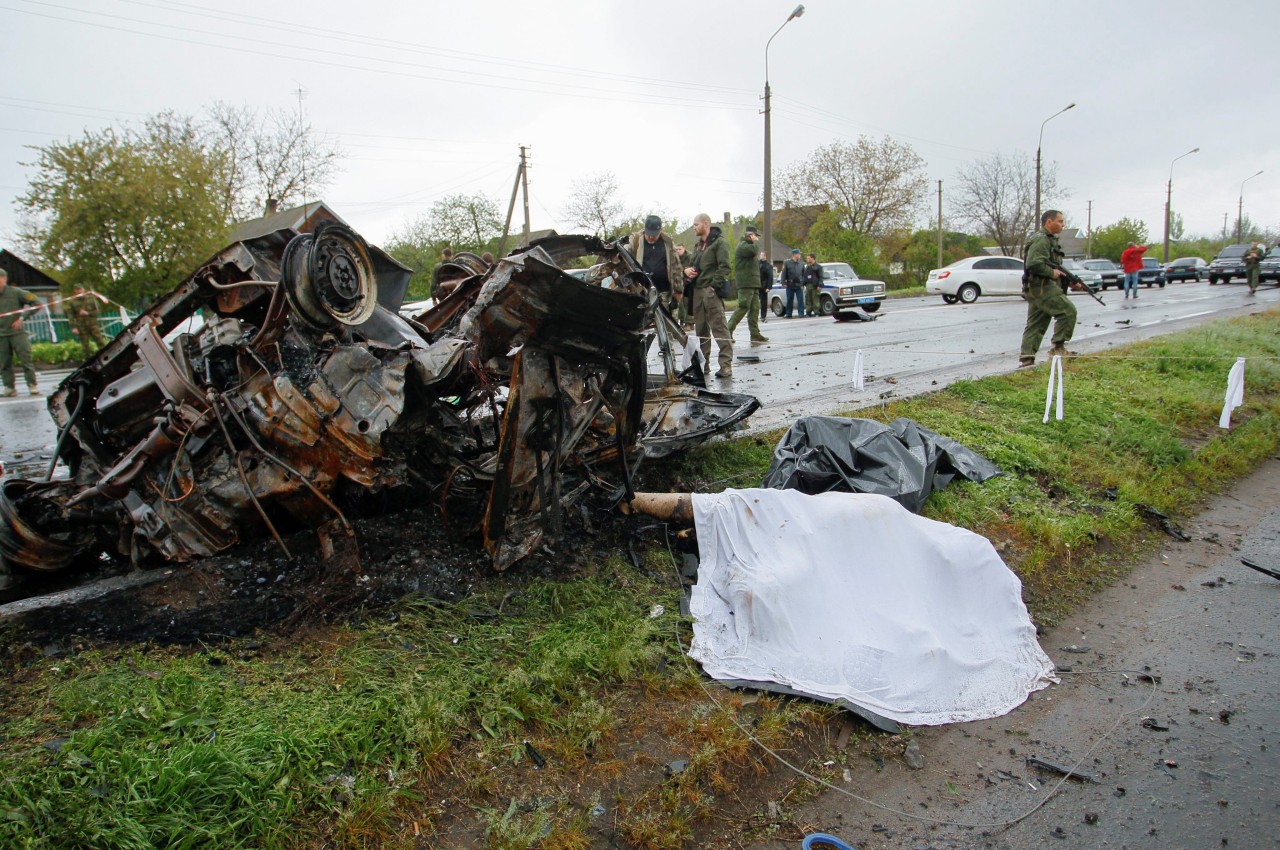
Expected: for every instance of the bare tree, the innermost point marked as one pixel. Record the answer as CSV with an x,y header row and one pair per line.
x,y
465,222
997,197
593,204
876,186
274,155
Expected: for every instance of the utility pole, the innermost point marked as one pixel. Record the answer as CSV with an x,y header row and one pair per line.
x,y
522,179
768,142
524,185
1224,228
1088,251
939,224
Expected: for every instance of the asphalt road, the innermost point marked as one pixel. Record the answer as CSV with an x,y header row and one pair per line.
x,y
915,345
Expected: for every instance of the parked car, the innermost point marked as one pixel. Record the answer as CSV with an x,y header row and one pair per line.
x,y
842,292
1151,272
1091,278
1270,268
1112,274
1228,264
1185,268
964,280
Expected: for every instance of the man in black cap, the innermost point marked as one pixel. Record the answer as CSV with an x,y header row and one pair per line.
x,y
656,254
793,280
746,270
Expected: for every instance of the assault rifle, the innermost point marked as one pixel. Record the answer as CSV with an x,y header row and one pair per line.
x,y
1068,279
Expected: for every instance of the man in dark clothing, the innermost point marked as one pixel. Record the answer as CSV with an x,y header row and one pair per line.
x,y
1045,297
812,285
656,253
766,284
746,270
793,280
709,270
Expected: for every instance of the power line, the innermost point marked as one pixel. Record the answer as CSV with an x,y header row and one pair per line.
x,y
586,92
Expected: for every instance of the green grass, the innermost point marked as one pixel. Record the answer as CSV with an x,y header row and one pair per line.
x,y
364,737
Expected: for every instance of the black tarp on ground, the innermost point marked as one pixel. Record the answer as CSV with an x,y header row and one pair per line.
x,y
902,460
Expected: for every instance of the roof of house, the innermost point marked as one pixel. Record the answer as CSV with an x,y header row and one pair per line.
x,y
301,218
26,276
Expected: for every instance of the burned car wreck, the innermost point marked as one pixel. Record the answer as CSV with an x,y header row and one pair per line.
x,y
279,388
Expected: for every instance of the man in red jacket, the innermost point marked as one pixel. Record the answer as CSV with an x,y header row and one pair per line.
x,y
1131,262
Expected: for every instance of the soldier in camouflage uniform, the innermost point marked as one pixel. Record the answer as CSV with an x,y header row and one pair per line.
x,y
1045,297
14,342
1253,264
709,271
82,309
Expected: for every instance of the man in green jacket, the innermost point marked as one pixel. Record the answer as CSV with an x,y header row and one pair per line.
x,y
1045,297
1253,264
709,271
82,310
746,270
14,343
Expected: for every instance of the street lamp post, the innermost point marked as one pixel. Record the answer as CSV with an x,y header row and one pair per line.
x,y
768,147
1240,208
1036,223
1168,200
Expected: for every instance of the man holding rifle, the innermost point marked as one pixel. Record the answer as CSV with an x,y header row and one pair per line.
x,y
1045,295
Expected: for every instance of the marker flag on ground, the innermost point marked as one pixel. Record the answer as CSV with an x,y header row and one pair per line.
x,y
858,380
1235,393
1055,376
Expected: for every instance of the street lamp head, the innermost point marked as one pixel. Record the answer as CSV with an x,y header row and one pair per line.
x,y
1194,150
799,10
1070,106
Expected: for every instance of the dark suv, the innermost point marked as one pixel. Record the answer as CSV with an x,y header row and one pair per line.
x,y
1151,272
1270,268
1228,264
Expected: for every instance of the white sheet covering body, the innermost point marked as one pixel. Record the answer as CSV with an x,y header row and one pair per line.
x,y
851,595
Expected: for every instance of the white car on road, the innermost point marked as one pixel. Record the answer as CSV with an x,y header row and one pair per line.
x,y
964,280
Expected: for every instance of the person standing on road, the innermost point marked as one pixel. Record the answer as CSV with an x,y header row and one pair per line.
x,y
709,271
1045,297
793,280
1131,262
83,310
812,285
746,270
766,284
685,314
1253,265
14,342
656,253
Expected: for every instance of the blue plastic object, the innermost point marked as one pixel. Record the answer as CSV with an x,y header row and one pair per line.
x,y
819,840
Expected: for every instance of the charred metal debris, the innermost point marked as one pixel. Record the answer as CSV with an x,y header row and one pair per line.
x,y
279,387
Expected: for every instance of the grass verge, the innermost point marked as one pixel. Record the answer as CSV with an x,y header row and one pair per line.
x,y
562,713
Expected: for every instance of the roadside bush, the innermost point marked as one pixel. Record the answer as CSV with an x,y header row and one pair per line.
x,y
57,353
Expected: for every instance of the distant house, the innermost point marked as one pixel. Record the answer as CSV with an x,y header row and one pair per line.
x,y
1074,245
302,219
26,276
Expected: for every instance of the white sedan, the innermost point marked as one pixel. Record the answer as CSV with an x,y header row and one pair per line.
x,y
964,280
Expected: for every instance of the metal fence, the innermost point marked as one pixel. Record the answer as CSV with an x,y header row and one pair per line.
x,y
43,326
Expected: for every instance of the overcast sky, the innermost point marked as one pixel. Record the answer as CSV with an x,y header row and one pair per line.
x,y
431,98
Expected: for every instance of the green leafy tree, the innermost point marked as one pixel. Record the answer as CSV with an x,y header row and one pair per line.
x,y
1111,240
130,213
921,253
831,241
465,222
413,245
875,186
